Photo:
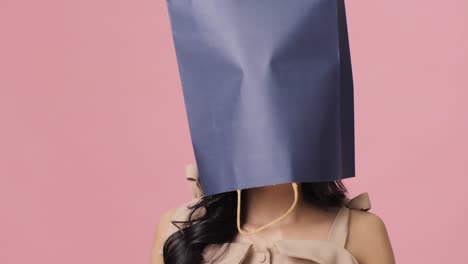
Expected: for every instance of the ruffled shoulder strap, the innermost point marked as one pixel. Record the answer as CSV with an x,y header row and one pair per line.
x,y
339,229
360,202
191,174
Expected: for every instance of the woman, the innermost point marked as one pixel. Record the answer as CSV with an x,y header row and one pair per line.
x,y
268,90
320,229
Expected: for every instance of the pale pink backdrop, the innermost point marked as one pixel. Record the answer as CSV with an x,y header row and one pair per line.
x,y
94,136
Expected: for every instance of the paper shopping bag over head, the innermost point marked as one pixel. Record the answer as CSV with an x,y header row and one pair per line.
x,y
268,90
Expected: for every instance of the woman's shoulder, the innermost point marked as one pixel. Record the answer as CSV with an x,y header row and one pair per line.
x,y
166,226
368,237
179,213
365,225
161,234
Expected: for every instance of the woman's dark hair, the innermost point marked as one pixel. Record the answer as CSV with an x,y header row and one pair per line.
x,y
217,224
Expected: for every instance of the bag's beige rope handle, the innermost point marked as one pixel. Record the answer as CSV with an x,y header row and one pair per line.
x,y
294,185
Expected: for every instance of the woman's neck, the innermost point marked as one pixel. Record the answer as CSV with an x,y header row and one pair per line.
x,y
265,204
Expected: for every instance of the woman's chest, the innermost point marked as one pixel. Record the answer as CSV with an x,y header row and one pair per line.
x,y
284,252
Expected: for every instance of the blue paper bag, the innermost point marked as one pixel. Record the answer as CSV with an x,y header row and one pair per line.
x,y
268,90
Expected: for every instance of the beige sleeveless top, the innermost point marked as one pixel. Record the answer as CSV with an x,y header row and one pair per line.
x,y
331,251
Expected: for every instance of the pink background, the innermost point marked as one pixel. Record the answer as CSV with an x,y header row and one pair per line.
x,y
94,136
